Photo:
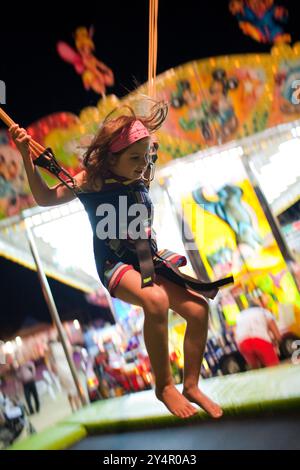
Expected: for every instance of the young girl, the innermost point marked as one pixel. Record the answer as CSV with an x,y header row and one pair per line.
x,y
116,166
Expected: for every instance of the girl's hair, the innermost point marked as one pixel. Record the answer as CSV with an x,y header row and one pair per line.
x,y
96,158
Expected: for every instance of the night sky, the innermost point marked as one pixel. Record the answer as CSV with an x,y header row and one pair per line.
x,y
39,82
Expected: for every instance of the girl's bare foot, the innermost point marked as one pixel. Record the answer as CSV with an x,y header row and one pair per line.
x,y
195,395
175,402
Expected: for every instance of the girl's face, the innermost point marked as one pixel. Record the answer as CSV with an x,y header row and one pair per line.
x,y
132,163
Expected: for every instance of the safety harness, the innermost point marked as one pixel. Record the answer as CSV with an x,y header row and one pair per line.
x,y
142,246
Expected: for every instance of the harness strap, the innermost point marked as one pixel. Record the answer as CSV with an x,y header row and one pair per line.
x,y
167,269
48,161
146,265
171,272
209,289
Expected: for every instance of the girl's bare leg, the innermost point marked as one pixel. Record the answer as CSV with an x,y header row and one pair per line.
x,y
155,304
194,309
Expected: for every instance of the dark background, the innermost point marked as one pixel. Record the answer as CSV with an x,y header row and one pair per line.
x,y
39,82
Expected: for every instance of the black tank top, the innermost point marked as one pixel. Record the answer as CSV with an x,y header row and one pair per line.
x,y
114,249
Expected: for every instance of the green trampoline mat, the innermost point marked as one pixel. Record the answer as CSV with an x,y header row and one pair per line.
x,y
253,392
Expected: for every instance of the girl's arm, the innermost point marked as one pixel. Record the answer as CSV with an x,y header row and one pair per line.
x,y
43,195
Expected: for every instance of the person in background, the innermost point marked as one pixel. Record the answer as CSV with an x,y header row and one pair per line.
x,y
2,406
257,336
26,374
59,365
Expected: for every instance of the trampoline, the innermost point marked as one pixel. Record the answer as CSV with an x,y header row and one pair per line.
x,y
261,411
267,431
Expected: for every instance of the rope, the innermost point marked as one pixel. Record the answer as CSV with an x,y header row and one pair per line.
x,y
35,147
43,157
152,49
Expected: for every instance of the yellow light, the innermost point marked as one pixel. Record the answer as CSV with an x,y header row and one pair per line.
x,y
180,362
92,382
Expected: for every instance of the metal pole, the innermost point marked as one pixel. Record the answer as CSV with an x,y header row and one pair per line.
x,y
52,308
275,228
111,305
187,237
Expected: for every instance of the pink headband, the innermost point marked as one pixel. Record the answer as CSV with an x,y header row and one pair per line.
x,y
131,133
